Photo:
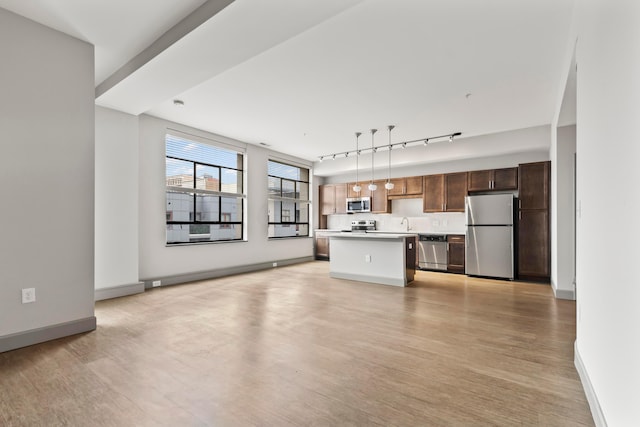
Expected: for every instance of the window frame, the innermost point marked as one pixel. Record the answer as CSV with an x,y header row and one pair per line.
x,y
194,193
294,219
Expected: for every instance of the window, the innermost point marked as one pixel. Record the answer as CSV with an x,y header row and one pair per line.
x,y
204,189
288,200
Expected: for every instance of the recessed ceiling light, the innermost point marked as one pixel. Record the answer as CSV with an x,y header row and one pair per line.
x,y
178,103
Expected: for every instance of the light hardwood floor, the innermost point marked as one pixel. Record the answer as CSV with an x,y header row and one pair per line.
x,y
292,347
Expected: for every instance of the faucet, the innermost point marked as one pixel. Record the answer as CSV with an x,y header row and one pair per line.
x,y
404,218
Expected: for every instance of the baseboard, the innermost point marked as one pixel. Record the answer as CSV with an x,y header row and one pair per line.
x,y
118,291
592,398
221,272
563,293
47,333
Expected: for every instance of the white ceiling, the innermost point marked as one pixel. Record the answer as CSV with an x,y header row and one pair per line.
x,y
302,76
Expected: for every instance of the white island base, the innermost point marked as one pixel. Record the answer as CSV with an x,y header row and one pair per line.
x,y
387,259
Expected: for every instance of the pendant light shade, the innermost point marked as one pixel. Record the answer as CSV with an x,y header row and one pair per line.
x,y
389,185
357,187
372,186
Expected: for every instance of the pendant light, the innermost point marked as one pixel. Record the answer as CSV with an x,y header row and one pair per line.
x,y
372,186
357,187
389,185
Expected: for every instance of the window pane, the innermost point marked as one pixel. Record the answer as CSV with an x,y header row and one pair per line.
x,y
303,191
208,177
288,230
274,186
195,233
288,212
274,210
179,206
283,171
302,213
203,153
207,208
179,173
231,209
289,189
231,181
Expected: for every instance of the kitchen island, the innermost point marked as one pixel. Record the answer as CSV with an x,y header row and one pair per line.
x,y
383,258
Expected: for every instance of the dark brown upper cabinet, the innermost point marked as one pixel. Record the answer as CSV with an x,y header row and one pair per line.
x,y
333,199
444,192
533,188
493,179
406,187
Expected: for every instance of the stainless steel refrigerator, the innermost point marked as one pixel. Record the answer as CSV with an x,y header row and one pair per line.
x,y
489,239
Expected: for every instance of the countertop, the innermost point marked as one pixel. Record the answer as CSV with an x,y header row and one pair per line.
x,y
404,233
372,235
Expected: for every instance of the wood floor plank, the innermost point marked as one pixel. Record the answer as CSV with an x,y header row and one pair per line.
x,y
290,346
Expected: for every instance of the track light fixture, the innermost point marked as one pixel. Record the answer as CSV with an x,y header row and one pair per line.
x,y
357,187
389,185
372,186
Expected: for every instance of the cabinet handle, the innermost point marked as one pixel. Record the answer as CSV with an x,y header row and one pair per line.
x,y
519,203
520,215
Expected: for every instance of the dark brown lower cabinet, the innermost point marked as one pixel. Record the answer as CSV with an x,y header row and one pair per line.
x,y
534,258
322,247
455,260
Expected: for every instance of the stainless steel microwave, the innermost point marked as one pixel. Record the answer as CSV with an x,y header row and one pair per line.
x,y
358,204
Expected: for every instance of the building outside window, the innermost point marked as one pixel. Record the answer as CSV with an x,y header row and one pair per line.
x,y
204,192
288,200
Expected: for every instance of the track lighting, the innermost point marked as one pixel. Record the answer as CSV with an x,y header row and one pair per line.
x,y
374,149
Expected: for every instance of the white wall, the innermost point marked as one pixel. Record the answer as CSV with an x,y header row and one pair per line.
x,y
563,148
116,199
608,230
156,260
47,167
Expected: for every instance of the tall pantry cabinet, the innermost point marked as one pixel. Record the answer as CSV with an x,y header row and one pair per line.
x,y
534,243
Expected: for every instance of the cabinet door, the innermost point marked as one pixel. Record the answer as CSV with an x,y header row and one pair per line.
x,y
533,185
480,180
413,185
455,261
433,193
399,185
533,244
505,179
379,201
322,247
327,199
364,191
340,198
455,191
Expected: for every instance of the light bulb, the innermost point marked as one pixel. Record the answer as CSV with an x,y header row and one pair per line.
x,y
357,188
373,187
389,185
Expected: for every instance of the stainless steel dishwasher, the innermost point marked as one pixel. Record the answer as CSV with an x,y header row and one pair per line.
x,y
432,253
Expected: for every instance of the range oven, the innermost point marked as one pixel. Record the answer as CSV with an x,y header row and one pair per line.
x,y
432,252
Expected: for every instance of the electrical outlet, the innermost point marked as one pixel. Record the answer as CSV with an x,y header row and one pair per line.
x,y
28,295
275,264
367,258
156,283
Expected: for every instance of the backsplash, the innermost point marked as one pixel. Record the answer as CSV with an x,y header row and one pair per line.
x,y
420,222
